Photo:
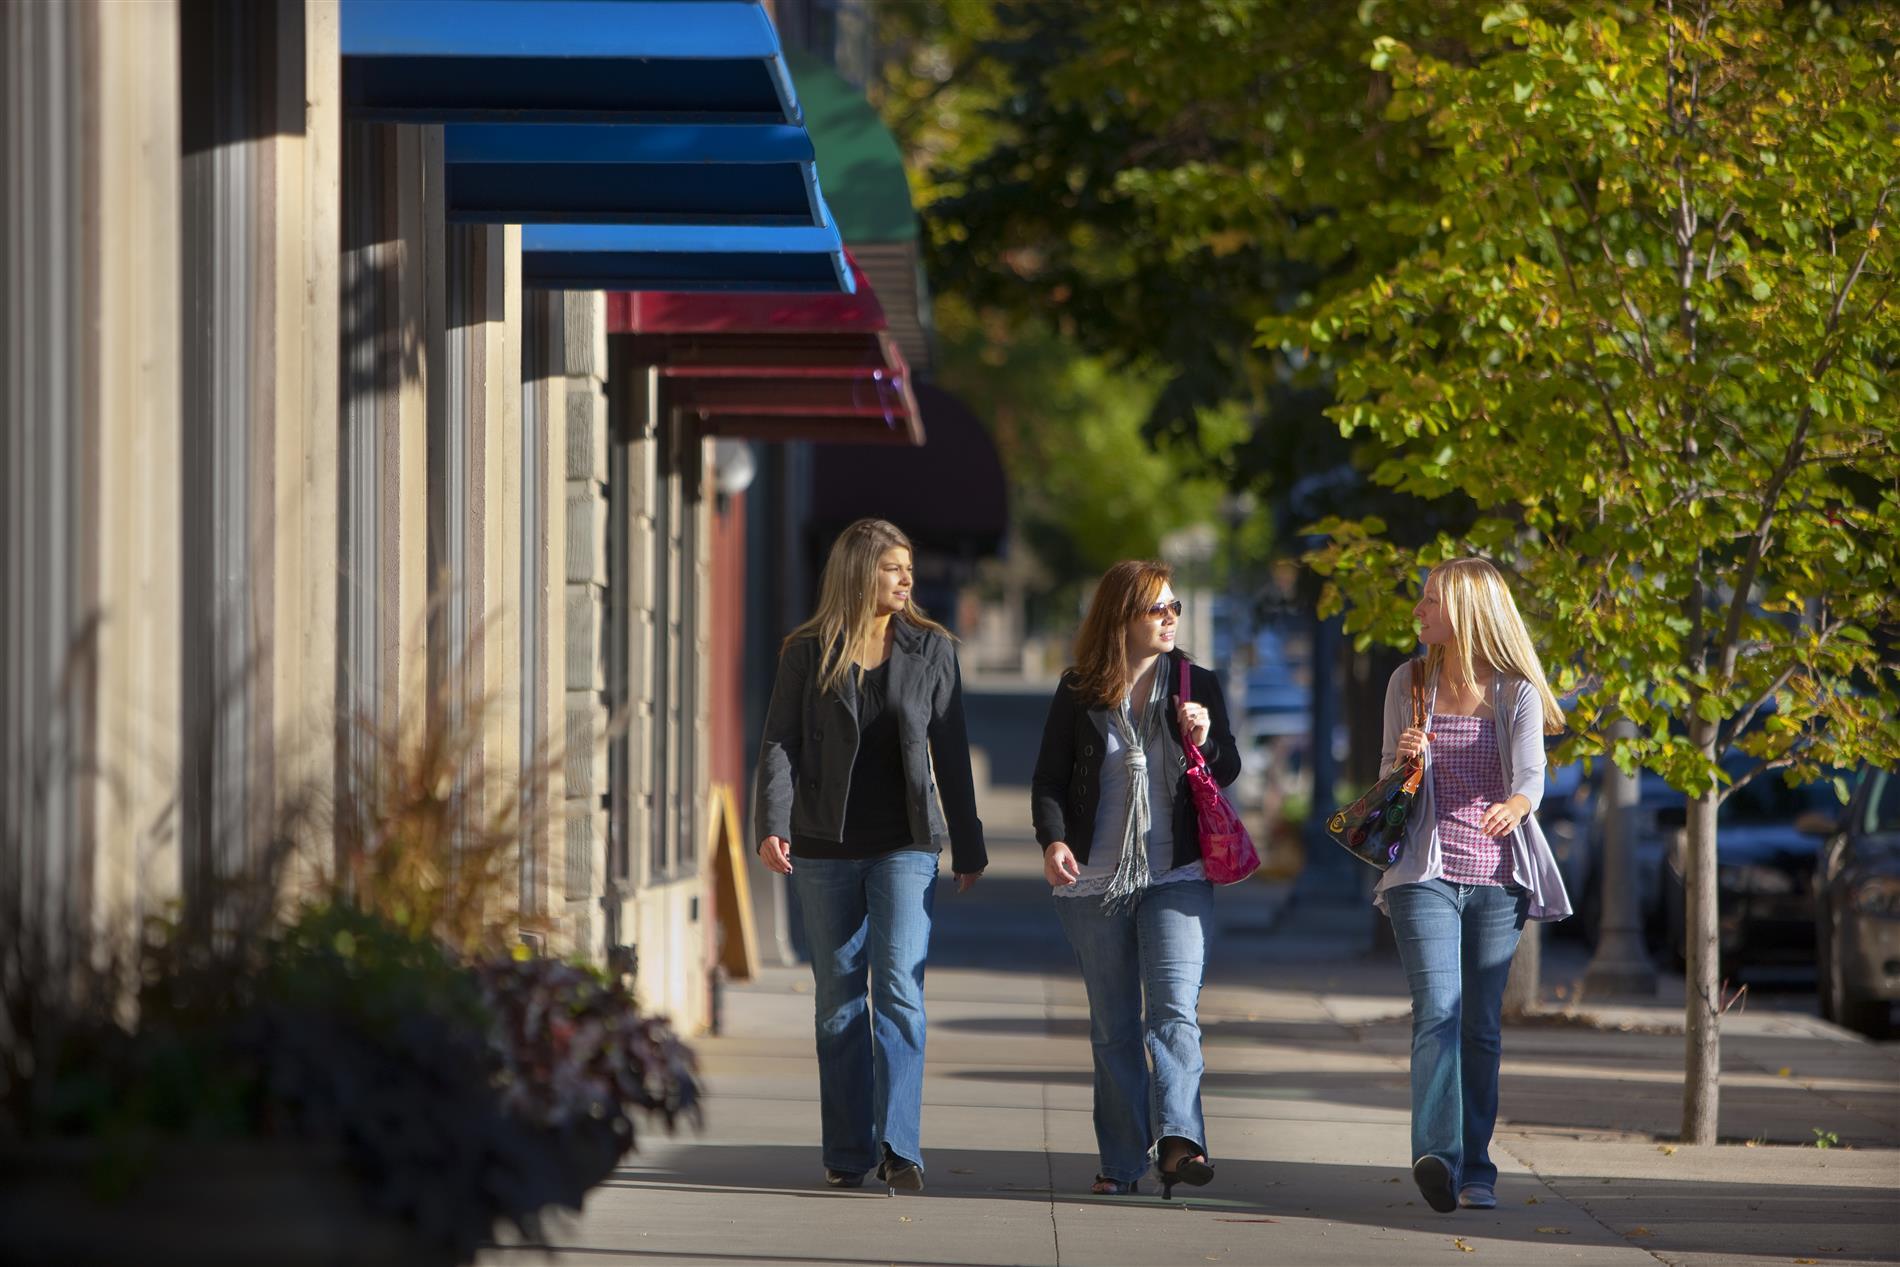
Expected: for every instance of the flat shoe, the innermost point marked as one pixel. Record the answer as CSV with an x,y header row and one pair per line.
x,y
1475,1196
1433,1178
1106,1187
843,1178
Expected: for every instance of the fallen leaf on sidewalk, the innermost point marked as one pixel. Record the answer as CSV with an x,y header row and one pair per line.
x,y
1553,1231
1784,1072
1395,1179
903,1218
965,1170
1639,1231
1532,1201
1459,1241
1807,1260
1667,1150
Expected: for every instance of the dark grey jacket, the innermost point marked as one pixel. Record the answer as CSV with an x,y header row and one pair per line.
x,y
1067,784
811,743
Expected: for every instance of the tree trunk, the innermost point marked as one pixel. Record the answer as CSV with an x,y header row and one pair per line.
x,y
1702,1003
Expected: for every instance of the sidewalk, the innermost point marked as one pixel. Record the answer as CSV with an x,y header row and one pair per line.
x,y
1306,1100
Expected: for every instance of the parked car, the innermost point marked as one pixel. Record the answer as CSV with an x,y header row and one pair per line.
x,y
1857,906
1764,873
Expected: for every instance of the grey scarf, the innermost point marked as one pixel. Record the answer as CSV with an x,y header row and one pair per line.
x,y
1132,874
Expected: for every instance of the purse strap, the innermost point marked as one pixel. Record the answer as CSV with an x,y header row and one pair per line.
x,y
1418,697
1195,761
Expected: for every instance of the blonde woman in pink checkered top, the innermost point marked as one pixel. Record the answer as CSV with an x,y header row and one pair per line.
x,y
1475,864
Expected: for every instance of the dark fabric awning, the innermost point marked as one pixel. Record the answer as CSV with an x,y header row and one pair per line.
x,y
585,122
564,61
767,367
743,258
526,173
865,405
950,495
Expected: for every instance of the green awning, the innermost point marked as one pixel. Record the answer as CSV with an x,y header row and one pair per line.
x,y
859,165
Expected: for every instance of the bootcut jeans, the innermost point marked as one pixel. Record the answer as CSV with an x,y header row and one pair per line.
x,y
1157,949
867,921
1456,943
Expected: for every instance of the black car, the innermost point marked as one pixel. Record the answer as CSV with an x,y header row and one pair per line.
x,y
1764,873
1857,898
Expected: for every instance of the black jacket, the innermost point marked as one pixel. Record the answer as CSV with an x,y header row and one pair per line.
x,y
811,743
1067,784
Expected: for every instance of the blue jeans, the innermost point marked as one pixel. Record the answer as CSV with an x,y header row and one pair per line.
x,y
1158,949
869,918
1456,942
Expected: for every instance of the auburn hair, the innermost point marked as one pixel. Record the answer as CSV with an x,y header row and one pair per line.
x,y
1125,591
847,600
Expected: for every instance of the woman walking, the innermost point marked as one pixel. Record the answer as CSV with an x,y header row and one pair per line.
x,y
864,778
1121,852
1475,864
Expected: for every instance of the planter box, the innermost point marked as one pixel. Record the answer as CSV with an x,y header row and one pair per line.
x,y
223,1204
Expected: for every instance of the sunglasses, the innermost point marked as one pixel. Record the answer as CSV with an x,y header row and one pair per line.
x,y
1158,610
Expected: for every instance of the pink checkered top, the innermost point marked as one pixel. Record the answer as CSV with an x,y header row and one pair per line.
x,y
1467,779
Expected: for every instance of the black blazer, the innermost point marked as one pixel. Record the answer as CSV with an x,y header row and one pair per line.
x,y
1067,784
811,743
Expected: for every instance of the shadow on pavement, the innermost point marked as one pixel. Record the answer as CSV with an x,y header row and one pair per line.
x,y
1663,1217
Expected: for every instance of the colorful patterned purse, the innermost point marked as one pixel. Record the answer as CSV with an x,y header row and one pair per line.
x,y
1372,828
1227,852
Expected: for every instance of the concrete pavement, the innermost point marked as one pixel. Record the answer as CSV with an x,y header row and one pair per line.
x,y
1306,1099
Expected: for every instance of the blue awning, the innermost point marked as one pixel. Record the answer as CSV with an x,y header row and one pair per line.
x,y
563,61
683,257
512,173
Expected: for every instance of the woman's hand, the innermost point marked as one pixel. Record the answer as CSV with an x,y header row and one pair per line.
x,y
1501,818
966,880
777,854
1192,718
1412,741
1059,866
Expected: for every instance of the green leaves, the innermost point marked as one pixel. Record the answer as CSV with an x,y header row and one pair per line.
x,y
1651,358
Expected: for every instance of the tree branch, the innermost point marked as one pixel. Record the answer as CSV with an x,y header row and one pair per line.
x,y
1771,495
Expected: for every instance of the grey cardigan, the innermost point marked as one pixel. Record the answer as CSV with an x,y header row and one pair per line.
x,y
811,743
1519,717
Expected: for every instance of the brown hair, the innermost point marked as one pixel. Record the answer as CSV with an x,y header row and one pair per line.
x,y
847,601
1101,646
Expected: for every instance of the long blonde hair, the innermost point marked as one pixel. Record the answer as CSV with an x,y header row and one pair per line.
x,y
1485,625
1101,645
847,600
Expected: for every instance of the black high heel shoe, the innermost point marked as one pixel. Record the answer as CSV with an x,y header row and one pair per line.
x,y
897,1173
1196,1172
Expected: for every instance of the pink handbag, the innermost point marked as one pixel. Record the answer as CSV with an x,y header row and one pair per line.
x,y
1227,852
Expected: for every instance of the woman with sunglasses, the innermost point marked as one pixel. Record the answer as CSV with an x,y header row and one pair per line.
x,y
1121,851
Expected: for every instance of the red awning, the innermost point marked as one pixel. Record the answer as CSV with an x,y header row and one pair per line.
x,y
775,367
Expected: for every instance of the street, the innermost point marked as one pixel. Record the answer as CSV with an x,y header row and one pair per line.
x,y
1306,1100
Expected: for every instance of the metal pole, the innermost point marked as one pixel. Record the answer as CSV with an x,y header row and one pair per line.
x,y
1621,965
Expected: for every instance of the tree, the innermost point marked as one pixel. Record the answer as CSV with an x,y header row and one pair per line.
x,y
1643,322
1067,414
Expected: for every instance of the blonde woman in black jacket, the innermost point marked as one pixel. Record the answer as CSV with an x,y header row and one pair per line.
x,y
864,778
1121,852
